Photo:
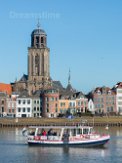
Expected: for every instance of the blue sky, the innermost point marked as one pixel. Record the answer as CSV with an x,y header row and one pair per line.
x,y
83,35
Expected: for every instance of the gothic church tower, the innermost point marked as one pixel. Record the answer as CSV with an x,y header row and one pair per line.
x,y
38,61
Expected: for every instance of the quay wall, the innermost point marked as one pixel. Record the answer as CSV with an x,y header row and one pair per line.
x,y
92,121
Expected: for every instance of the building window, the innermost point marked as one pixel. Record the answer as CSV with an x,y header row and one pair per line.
x,y
23,109
19,109
2,101
119,91
120,109
119,103
73,103
34,101
79,103
62,104
120,97
23,101
37,101
19,101
28,109
28,101
37,108
52,98
34,109
56,110
2,109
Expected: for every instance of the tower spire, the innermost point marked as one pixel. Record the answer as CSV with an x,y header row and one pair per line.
x,y
38,24
69,78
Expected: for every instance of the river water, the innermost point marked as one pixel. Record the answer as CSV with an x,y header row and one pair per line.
x,y
14,149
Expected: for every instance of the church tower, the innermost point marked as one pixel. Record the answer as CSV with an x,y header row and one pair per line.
x,y
38,61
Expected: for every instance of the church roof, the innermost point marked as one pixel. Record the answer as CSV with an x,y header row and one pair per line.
x,y
69,88
57,85
24,78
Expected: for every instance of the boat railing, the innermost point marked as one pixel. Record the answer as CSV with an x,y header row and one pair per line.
x,y
37,138
53,137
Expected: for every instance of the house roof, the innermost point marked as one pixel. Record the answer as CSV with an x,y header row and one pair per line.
x,y
6,88
104,89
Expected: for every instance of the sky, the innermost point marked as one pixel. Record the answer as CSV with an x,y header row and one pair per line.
x,y
84,36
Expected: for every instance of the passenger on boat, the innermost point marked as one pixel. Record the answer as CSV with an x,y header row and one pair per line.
x,y
66,136
44,133
49,133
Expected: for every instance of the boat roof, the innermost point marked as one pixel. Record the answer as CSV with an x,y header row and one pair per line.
x,y
59,127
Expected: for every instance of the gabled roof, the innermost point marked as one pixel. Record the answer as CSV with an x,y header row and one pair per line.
x,y
79,95
118,85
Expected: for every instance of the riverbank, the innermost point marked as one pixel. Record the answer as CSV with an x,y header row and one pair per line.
x,y
92,121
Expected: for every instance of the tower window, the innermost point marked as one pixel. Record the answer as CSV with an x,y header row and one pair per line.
x,y
42,40
37,41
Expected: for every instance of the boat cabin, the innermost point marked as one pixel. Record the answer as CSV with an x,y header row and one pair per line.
x,y
59,132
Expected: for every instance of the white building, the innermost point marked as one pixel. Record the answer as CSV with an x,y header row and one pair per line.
x,y
24,107
91,106
36,107
118,88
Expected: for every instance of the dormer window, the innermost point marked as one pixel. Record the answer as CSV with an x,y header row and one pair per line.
x,y
98,92
109,92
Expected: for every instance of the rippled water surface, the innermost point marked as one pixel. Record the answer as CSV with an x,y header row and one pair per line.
x,y
14,149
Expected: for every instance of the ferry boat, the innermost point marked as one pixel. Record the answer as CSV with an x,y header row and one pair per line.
x,y
83,136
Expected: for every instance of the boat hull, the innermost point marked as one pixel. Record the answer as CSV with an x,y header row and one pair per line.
x,y
82,143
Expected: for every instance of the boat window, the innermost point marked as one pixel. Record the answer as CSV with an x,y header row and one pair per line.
x,y
74,132
85,131
79,131
32,132
40,131
90,130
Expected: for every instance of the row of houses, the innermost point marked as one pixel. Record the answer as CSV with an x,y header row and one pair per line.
x,y
51,103
46,103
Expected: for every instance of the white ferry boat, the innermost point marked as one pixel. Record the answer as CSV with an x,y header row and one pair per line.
x,y
83,136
